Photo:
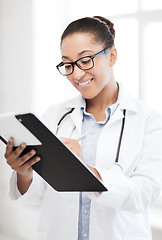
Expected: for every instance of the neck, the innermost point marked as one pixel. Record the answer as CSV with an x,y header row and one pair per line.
x,y
106,98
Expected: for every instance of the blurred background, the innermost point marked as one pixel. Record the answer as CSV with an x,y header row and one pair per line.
x,y
30,33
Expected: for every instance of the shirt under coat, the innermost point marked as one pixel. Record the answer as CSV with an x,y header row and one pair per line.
x,y
121,213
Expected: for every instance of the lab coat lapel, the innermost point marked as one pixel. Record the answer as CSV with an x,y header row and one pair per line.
x,y
76,117
109,137
118,114
108,140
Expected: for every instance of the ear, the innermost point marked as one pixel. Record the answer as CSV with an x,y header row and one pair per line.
x,y
113,56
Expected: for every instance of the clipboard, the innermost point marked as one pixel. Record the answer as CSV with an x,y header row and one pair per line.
x,y
59,167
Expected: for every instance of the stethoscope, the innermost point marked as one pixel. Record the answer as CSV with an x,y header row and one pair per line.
x,y
121,131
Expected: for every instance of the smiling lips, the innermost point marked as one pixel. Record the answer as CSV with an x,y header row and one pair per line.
x,y
85,83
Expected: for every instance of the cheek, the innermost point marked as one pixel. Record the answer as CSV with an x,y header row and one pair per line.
x,y
69,78
101,73
101,68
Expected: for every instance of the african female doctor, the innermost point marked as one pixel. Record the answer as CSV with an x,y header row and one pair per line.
x,y
132,173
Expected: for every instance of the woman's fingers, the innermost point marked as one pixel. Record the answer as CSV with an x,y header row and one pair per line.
x,y
26,169
74,146
28,164
71,142
67,140
11,155
9,147
22,160
21,164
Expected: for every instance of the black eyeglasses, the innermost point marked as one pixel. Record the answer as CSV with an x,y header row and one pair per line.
x,y
84,63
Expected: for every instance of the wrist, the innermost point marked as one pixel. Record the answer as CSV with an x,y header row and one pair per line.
x,y
24,178
95,172
24,182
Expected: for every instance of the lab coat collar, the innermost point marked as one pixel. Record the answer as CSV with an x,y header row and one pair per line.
x,y
125,101
77,102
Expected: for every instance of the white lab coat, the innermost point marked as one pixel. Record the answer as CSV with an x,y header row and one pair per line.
x,y
121,213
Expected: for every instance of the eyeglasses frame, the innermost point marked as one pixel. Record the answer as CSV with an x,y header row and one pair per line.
x,y
75,62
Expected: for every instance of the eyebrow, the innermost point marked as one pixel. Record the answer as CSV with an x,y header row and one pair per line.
x,y
79,54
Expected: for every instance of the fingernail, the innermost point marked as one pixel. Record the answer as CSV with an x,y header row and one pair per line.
x,y
33,152
11,139
23,145
38,158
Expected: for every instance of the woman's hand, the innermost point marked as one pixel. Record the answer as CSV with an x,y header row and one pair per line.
x,y
22,165
74,146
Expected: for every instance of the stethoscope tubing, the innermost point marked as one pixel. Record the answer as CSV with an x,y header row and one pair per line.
x,y
121,132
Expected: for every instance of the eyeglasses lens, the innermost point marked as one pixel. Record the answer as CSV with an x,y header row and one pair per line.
x,y
84,63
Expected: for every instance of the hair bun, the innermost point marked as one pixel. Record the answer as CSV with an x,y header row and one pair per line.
x,y
109,24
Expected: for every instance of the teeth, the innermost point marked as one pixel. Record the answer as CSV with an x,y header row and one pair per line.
x,y
85,83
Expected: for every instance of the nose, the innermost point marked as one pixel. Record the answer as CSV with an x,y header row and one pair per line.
x,y
78,73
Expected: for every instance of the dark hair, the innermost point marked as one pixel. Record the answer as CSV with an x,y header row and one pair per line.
x,y
100,27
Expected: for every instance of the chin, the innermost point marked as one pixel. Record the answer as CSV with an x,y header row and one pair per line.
x,y
88,96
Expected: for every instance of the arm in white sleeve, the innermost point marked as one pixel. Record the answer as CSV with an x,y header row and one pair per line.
x,y
35,192
141,188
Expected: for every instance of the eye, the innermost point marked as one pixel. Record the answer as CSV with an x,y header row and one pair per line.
x,y
67,66
85,61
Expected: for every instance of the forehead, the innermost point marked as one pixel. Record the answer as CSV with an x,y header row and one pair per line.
x,y
76,43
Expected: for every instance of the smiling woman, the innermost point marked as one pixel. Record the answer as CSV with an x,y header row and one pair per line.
x,y
117,125
92,81
30,37
91,37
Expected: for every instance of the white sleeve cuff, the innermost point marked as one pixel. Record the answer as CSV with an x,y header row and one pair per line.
x,y
13,189
35,192
116,168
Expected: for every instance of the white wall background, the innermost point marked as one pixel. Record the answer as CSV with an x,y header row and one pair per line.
x,y
30,33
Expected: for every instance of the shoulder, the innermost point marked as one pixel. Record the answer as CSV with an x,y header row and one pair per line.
x,y
135,105
54,113
139,109
152,119
62,107
147,112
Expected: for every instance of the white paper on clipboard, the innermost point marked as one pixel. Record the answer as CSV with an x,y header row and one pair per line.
x,y
11,127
